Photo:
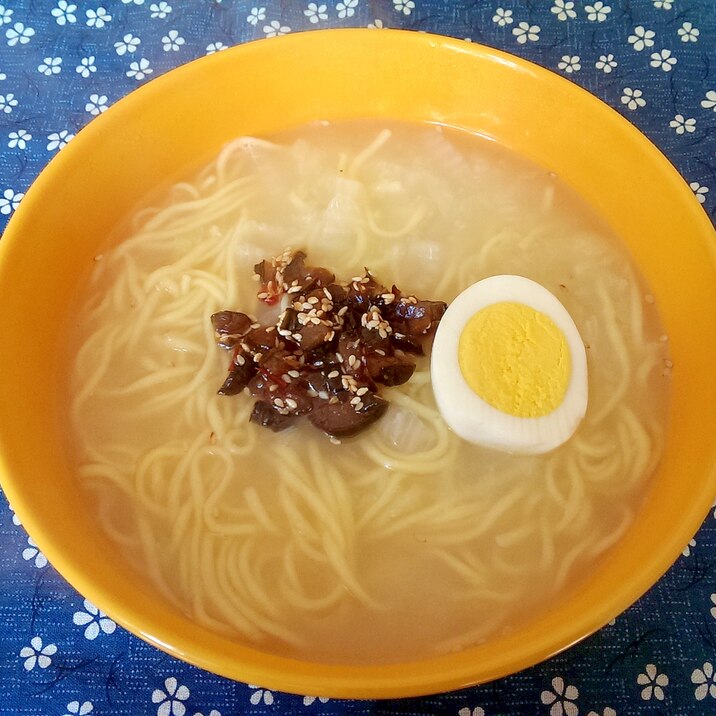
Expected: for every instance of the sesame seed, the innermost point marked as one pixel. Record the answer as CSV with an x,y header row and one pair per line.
x,y
261,296
323,395
339,356
312,300
342,311
333,400
291,403
296,337
335,441
286,378
294,374
356,279
258,357
240,360
254,326
278,402
355,401
311,393
352,360
328,294
380,351
333,374
273,388
362,391
329,336
256,277
358,406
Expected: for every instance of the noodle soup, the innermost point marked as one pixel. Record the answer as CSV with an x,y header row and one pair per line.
x,y
404,541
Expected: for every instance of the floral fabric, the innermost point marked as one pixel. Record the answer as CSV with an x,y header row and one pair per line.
x,y
63,62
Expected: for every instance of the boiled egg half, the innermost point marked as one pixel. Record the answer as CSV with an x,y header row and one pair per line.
x,y
508,367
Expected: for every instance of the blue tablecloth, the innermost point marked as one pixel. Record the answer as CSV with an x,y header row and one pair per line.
x,y
62,62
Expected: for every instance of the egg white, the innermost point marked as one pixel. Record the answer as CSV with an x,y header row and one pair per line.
x,y
474,419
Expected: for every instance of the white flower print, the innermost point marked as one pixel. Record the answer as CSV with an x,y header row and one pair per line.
x,y
213,712
50,66
3,76
713,608
700,191
259,695
688,33
680,124
692,542
97,18
564,10
38,655
139,70
641,38
94,620
524,32
467,711
570,64
705,681
256,14
653,683
562,698
32,551
502,17
136,2
18,33
632,98
128,44
607,712
404,6
9,201
314,12
597,12
7,102
709,102
606,63
172,41
5,15
64,13
275,28
57,140
376,25
86,67
216,47
308,700
663,4
19,140
663,60
96,104
75,708
346,8
160,10
170,702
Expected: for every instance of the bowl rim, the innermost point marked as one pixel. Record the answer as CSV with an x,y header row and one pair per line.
x,y
383,681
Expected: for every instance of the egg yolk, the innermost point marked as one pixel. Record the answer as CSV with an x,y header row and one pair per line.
x,y
516,359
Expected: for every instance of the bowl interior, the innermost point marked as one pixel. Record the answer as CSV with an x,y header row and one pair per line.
x,y
264,87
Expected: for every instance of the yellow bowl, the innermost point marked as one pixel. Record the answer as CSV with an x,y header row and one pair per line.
x,y
267,86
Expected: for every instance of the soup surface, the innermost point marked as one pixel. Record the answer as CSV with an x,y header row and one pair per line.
x,y
404,541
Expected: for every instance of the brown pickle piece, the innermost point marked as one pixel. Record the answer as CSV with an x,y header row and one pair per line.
x,y
416,319
389,370
266,416
238,378
313,335
230,326
260,340
297,273
341,420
